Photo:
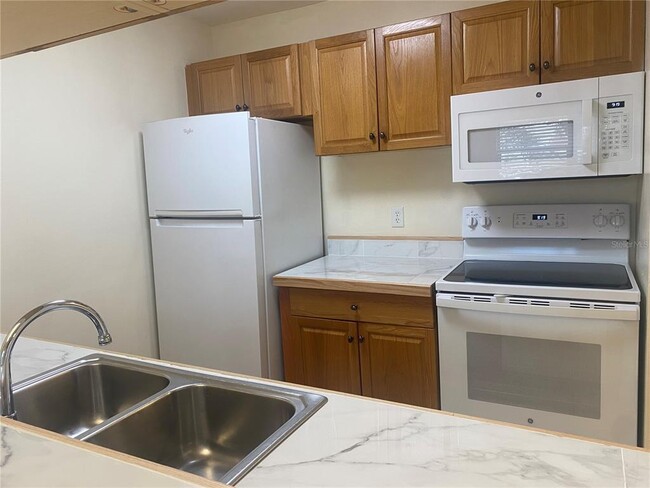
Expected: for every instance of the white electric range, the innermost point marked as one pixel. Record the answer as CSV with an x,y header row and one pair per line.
x,y
539,325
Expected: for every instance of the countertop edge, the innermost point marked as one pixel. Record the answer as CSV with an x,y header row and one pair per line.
x,y
142,463
404,289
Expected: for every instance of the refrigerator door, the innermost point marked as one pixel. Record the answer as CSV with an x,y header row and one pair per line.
x,y
203,166
209,293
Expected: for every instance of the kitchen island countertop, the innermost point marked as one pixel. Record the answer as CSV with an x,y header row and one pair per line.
x,y
351,441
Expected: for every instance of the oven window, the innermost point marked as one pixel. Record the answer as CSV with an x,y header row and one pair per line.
x,y
552,376
532,142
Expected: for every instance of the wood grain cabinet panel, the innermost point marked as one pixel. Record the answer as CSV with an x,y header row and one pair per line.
x,y
414,83
399,364
344,91
380,360
306,79
583,39
327,354
495,46
362,307
272,82
214,86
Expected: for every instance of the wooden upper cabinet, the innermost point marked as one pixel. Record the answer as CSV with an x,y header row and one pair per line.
x,y
344,93
399,364
306,79
272,82
327,355
214,86
414,83
495,46
583,39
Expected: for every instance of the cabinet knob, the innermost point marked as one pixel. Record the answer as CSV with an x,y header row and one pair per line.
x,y
382,135
361,339
546,65
532,66
245,107
350,339
354,307
371,136
238,107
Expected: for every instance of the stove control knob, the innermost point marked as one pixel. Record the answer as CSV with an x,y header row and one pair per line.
x,y
600,220
486,222
472,222
617,220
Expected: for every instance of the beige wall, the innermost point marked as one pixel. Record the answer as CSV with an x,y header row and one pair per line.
x,y
359,190
643,238
324,19
73,195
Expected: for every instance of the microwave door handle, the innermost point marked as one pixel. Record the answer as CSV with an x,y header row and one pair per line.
x,y
589,133
595,131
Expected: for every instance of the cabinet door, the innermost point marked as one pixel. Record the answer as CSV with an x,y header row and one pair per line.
x,y
584,39
272,82
414,83
399,364
326,354
345,93
214,86
495,46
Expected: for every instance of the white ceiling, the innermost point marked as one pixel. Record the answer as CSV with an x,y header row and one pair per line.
x,y
233,10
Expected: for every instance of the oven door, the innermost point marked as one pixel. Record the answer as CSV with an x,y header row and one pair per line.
x,y
526,133
554,364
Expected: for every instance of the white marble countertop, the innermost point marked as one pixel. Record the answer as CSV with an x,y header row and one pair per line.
x,y
352,442
407,276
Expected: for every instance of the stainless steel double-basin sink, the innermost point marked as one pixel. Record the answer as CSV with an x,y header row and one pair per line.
x,y
212,425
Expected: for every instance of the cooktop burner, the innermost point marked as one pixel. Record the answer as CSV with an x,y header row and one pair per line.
x,y
537,273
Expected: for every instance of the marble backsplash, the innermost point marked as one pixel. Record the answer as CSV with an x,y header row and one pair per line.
x,y
401,248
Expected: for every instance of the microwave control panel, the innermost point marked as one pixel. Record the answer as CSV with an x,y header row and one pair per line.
x,y
615,128
577,221
620,124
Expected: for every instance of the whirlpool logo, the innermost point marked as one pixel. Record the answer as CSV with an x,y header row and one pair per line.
x,y
188,131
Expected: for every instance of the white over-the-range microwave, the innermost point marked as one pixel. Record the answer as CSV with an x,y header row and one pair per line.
x,y
572,129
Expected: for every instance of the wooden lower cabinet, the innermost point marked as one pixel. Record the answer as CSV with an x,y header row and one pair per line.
x,y
399,364
380,360
327,353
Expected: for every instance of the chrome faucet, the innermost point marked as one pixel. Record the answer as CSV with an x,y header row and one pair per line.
x,y
7,408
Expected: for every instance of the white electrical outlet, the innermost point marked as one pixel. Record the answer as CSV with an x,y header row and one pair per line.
x,y
397,216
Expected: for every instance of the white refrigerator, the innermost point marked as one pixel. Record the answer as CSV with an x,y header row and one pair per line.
x,y
232,200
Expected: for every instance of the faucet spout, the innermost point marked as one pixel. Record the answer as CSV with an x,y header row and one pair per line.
x,y
7,408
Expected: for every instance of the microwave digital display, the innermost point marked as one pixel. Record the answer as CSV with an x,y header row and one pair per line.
x,y
540,217
620,104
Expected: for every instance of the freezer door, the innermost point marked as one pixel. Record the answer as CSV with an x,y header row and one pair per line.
x,y
201,164
209,293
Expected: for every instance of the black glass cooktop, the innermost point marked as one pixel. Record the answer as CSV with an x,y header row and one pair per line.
x,y
536,273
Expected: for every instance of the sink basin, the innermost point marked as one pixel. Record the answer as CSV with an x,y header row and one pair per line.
x,y
210,424
208,430
81,398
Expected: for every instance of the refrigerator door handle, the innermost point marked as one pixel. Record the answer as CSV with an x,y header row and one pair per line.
x,y
199,214
202,223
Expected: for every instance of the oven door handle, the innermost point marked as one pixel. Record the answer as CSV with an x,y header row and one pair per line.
x,y
545,307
